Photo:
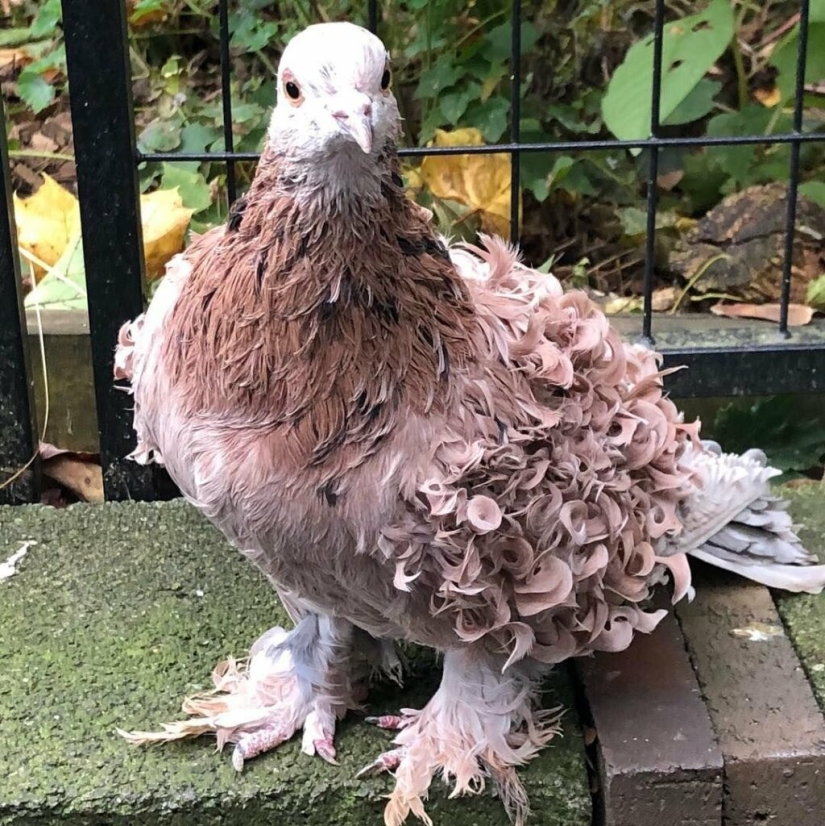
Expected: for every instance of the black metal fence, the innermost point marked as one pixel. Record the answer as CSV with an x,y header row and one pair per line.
x,y
107,160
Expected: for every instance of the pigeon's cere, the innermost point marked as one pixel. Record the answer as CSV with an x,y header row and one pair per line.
x,y
417,441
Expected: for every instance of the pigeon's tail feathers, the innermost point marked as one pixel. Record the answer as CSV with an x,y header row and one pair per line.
x,y
733,522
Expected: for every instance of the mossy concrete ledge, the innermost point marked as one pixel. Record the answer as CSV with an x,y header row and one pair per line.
x,y
119,611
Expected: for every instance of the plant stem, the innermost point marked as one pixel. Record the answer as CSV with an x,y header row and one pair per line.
x,y
479,27
33,153
739,62
695,277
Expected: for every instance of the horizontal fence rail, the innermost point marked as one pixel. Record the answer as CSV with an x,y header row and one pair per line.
x,y
770,361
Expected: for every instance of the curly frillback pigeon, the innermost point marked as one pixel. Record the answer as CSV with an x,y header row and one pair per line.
x,y
418,442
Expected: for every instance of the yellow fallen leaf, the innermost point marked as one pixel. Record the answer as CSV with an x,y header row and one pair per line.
x,y
17,57
481,182
45,222
622,304
768,97
164,220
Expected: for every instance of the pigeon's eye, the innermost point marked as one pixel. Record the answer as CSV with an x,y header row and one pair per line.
x,y
385,79
293,91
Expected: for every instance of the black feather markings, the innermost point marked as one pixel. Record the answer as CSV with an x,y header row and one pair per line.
x,y
329,494
260,270
351,293
424,245
236,213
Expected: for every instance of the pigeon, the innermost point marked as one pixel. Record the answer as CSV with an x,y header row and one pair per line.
x,y
418,441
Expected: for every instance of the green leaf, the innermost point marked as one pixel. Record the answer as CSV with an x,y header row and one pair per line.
x,y
195,137
491,117
784,58
815,190
441,75
498,41
454,104
193,189
738,161
161,135
34,91
634,220
48,16
250,31
791,443
64,287
15,37
815,296
690,47
144,7
696,105
540,180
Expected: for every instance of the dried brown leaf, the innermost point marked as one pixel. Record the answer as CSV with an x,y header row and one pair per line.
x,y
798,314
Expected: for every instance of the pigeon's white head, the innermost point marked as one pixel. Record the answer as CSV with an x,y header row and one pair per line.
x,y
334,95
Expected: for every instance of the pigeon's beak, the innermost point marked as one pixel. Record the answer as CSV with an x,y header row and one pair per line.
x,y
354,118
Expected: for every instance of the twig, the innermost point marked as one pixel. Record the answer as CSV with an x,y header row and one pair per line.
x,y
695,277
18,473
739,63
33,153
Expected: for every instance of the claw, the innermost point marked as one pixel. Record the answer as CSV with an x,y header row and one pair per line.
x,y
393,722
324,748
386,762
257,742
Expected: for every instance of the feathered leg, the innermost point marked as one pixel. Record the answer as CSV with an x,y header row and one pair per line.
x,y
478,725
292,680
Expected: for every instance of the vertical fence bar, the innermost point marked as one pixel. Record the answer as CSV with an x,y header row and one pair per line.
x,y
17,426
793,184
653,174
515,119
372,15
226,99
101,100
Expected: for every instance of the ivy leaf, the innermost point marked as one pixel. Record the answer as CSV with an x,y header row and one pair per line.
x,y
498,41
250,32
690,47
34,91
441,75
454,104
195,137
491,117
737,161
160,135
194,191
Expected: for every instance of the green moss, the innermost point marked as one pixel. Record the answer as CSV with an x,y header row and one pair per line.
x,y
117,613
804,614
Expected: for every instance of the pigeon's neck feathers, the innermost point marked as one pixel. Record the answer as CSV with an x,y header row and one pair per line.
x,y
333,323
324,177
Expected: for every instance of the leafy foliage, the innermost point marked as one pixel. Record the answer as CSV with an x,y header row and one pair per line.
x,y
793,444
690,46
728,69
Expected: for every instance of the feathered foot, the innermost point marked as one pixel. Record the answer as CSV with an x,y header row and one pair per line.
x,y
478,725
292,680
